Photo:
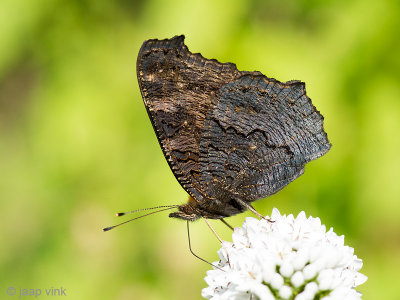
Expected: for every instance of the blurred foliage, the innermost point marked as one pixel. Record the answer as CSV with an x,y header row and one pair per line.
x,y
76,144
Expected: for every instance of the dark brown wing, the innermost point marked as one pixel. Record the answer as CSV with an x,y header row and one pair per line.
x,y
258,137
177,87
226,134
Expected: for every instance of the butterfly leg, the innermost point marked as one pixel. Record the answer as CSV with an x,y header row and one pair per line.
x,y
194,254
226,223
251,208
213,230
218,237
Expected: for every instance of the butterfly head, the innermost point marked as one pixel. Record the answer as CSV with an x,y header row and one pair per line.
x,y
186,212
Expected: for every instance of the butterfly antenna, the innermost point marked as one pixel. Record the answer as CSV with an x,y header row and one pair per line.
x,y
195,255
153,212
143,209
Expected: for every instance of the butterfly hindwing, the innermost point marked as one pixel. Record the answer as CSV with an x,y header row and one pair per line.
x,y
258,136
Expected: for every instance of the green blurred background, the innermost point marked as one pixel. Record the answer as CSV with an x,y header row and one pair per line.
x,y
76,144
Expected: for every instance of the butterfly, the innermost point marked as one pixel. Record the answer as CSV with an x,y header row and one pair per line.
x,y
230,137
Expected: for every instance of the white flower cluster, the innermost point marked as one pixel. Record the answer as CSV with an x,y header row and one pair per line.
x,y
289,258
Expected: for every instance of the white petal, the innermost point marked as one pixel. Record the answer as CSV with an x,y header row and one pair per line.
x,y
262,292
277,281
357,264
285,292
301,217
311,288
309,271
276,215
286,269
315,253
325,279
359,279
300,259
297,279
